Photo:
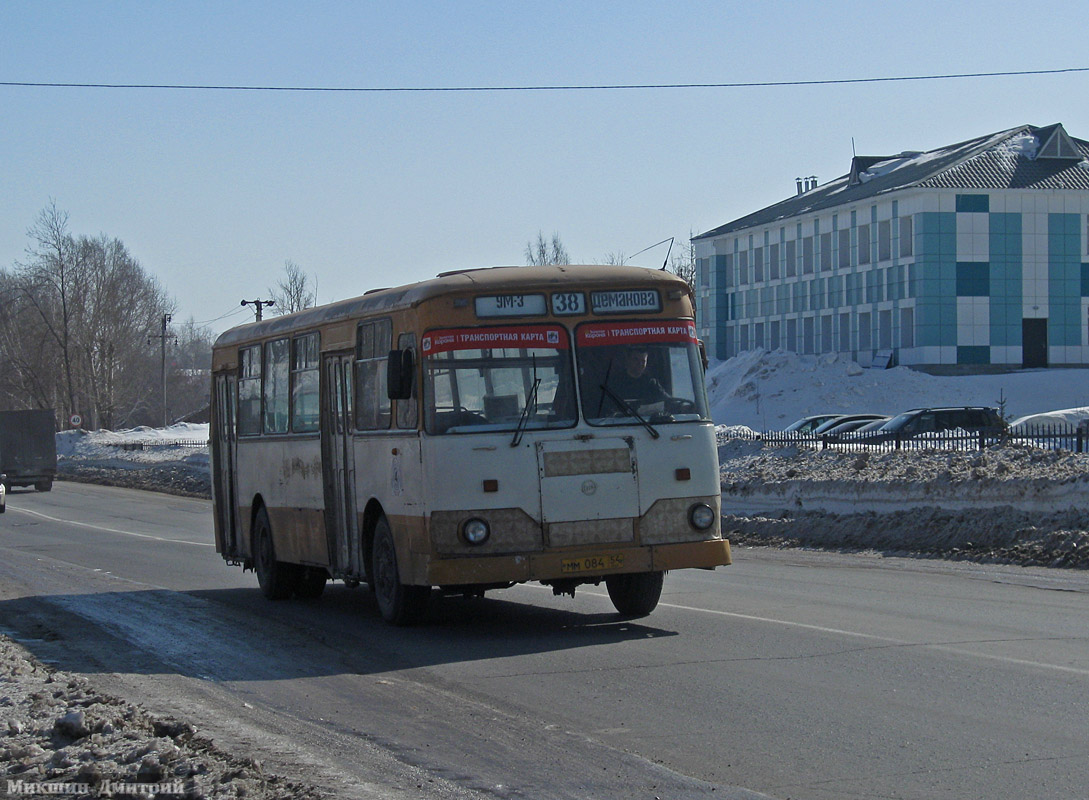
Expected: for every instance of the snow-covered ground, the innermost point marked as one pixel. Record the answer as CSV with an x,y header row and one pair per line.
x,y
162,459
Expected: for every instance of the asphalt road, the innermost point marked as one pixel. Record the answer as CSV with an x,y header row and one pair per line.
x,y
790,674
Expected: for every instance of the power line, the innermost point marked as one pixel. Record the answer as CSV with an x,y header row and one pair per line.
x,y
544,88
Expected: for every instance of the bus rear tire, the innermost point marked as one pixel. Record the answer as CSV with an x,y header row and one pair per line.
x,y
635,594
276,579
399,604
43,485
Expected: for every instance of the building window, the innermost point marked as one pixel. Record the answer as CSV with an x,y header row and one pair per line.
x,y
906,248
791,258
884,330
844,259
773,263
845,333
758,265
826,333
864,334
807,255
863,244
884,240
773,328
807,336
742,268
826,252
792,335
907,327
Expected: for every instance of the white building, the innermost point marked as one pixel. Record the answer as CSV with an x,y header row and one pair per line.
x,y
968,255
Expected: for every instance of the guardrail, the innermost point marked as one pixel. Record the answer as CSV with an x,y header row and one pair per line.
x,y
154,444
1045,437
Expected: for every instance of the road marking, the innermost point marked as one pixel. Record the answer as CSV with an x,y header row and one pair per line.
x,y
947,647
109,530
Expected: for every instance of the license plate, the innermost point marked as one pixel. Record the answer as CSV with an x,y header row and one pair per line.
x,y
592,563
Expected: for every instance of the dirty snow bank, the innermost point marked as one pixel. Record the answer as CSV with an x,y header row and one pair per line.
x,y
1011,504
59,730
156,459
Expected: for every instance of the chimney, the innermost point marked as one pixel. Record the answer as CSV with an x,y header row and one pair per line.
x,y
799,182
811,182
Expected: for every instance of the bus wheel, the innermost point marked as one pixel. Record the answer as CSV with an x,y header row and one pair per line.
x,y
277,579
635,594
399,604
43,485
311,583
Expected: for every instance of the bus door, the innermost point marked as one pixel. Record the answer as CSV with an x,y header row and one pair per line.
x,y
341,526
225,444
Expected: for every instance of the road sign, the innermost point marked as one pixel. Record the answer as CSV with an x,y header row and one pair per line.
x,y
76,420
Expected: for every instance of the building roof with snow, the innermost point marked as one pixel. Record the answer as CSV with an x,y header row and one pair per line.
x,y
1026,157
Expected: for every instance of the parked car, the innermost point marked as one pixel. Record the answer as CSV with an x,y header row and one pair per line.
x,y
848,422
3,495
808,424
921,421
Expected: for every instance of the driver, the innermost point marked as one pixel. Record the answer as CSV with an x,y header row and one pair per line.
x,y
632,382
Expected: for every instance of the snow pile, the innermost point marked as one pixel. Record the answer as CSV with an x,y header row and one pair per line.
x,y
160,459
1023,144
57,730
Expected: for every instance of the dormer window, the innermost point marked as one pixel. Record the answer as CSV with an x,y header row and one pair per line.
x,y
1058,145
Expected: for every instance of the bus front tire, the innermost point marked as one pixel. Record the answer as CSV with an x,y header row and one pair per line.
x,y
635,594
276,579
399,604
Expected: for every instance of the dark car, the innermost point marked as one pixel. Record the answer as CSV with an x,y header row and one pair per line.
x,y
808,424
921,421
848,422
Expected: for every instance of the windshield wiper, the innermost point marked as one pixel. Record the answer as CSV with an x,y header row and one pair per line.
x,y
531,402
627,409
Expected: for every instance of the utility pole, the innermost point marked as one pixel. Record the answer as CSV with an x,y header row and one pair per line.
x,y
257,304
162,337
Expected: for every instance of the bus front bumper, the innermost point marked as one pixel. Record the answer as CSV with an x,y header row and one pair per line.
x,y
585,564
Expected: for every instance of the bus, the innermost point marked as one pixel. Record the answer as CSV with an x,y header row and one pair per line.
x,y
474,431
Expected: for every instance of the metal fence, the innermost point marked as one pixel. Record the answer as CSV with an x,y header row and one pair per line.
x,y
155,444
1074,438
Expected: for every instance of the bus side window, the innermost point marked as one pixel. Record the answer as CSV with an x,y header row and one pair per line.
x,y
372,403
407,409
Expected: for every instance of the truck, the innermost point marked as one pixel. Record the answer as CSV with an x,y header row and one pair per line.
x,y
28,448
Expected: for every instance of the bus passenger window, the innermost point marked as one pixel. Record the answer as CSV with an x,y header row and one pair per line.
x,y
249,390
276,391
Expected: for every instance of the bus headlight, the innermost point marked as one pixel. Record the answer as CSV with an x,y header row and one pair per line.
x,y
475,531
701,516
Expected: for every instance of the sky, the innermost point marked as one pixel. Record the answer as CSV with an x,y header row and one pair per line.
x,y
212,191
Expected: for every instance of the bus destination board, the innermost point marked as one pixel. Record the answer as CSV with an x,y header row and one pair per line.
x,y
510,305
625,301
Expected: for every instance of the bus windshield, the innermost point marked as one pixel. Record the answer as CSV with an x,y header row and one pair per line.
x,y
497,379
631,372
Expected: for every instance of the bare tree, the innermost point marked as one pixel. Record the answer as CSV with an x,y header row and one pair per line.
x,y
683,263
542,253
617,259
294,292
77,325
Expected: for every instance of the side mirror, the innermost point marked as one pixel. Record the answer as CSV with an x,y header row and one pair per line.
x,y
400,369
